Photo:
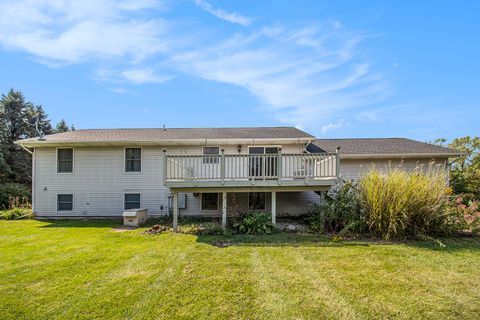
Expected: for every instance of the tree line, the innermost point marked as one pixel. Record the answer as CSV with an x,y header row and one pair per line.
x,y
19,119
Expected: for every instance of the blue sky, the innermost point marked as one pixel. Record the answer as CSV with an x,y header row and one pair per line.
x,y
332,68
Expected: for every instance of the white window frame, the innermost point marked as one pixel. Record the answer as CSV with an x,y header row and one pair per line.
x,y
124,202
203,154
73,202
73,160
125,160
265,205
210,210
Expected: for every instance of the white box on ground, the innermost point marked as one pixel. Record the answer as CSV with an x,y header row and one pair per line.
x,y
134,217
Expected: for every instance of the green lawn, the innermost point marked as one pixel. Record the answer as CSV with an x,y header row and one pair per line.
x,y
85,270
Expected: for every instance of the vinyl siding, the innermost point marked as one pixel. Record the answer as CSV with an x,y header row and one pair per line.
x,y
354,169
99,181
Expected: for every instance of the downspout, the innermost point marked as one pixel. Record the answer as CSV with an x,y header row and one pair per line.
x,y
33,173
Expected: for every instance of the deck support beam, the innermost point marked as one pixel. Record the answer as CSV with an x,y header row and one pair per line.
x,y
175,211
224,210
274,207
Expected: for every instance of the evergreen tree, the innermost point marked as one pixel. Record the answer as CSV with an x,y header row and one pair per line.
x,y
62,126
13,127
36,114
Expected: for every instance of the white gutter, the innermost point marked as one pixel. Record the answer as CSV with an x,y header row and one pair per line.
x,y
175,142
396,155
25,148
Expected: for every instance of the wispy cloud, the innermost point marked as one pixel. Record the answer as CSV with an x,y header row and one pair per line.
x,y
221,14
332,126
66,32
303,74
141,76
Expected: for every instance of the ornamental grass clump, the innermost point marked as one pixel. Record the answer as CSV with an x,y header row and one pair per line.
x,y
400,203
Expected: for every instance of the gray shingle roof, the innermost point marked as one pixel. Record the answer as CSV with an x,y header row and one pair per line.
x,y
160,134
379,146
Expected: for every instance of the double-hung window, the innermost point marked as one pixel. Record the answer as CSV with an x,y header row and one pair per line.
x,y
64,202
65,160
133,159
211,155
257,201
209,201
132,201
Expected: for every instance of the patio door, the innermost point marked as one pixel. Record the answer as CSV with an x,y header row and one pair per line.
x,y
263,162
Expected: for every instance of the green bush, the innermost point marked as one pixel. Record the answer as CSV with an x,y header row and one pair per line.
x,y
255,223
9,191
17,213
400,203
340,212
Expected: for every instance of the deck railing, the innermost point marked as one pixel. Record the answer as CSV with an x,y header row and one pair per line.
x,y
245,167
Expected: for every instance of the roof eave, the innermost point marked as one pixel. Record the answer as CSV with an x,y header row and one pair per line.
x,y
172,142
398,155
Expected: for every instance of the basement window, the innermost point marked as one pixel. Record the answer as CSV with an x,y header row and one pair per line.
x,y
257,201
132,201
209,201
64,202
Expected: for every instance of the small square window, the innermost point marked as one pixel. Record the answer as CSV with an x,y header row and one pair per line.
x,y
64,202
65,160
257,201
209,201
211,155
133,159
132,201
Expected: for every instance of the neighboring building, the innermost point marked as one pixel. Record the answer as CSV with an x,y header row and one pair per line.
x,y
208,172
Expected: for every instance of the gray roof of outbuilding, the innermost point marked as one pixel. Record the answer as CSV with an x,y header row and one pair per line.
x,y
160,134
384,146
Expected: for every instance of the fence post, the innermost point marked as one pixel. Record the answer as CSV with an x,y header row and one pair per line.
x,y
337,164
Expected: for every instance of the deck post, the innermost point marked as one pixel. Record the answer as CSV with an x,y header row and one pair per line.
x,y
164,166
175,211
224,210
274,207
337,164
222,166
279,166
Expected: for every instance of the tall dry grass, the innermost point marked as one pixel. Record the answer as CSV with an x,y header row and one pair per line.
x,y
398,203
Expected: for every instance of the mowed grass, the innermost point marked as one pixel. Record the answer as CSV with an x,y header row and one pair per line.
x,y
85,270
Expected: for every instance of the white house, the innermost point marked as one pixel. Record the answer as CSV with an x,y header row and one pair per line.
x,y
203,171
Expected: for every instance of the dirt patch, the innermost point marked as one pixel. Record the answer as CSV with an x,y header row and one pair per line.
x,y
156,229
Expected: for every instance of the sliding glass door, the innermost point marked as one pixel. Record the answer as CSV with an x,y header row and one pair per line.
x,y
263,162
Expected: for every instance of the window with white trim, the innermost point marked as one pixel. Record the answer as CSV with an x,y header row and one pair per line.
x,y
133,159
132,201
209,201
257,201
64,202
211,155
65,160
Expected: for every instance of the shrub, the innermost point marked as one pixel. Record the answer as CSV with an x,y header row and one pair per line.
x,y
465,216
201,228
17,213
339,212
400,203
255,223
9,191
